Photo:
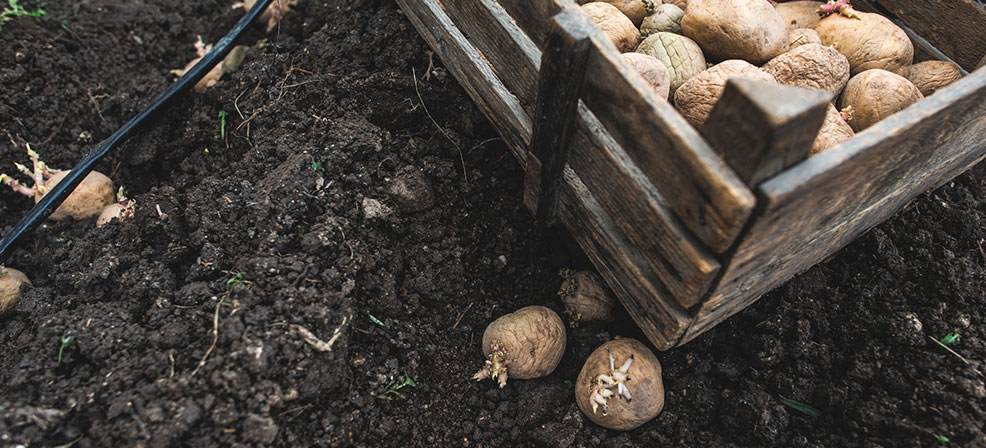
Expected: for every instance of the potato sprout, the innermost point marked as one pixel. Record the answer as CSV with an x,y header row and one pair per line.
x,y
89,198
620,386
273,14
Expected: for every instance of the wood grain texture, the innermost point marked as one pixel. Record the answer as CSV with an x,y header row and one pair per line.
x,y
618,262
512,55
559,88
956,27
817,207
532,15
761,128
666,264
705,194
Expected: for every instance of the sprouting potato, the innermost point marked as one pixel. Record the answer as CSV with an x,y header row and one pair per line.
x,y
88,199
620,386
525,344
876,94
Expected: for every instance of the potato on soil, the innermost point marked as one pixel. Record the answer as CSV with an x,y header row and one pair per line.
x,y
652,70
666,18
697,96
876,94
635,10
736,29
88,200
527,343
617,26
10,289
680,55
811,66
802,36
799,14
834,131
872,41
620,386
929,76
585,296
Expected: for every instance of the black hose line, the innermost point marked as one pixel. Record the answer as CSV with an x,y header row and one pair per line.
x,y
57,195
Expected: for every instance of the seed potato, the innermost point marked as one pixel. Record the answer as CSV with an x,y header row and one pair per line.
x,y
635,10
10,289
666,18
697,96
811,66
802,36
88,200
617,26
527,343
872,41
680,55
834,131
929,76
736,29
876,94
799,14
585,297
652,70
620,386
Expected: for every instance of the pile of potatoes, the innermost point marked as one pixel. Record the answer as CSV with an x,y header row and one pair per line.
x,y
687,49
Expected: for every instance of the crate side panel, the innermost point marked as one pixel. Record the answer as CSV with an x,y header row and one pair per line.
x,y
532,16
651,307
822,204
680,262
512,54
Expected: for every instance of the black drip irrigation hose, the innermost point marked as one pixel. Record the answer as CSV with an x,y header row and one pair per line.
x,y
57,195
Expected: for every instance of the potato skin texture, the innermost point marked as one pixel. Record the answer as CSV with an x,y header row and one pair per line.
x,y
635,10
666,18
645,383
799,14
736,29
871,42
652,70
834,131
533,337
697,96
10,289
802,36
88,200
680,55
585,296
617,26
811,66
683,4
929,76
876,94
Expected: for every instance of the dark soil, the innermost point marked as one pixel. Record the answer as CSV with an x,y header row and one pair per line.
x,y
335,206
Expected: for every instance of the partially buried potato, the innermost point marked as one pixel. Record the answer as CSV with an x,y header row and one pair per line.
x,y
876,94
617,26
929,76
834,131
680,55
799,14
527,343
620,386
811,66
868,42
697,96
652,70
736,29
10,289
89,198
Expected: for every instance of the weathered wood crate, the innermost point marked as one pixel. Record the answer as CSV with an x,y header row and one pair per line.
x,y
682,237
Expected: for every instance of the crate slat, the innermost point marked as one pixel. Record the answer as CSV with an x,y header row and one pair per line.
x,y
822,204
498,38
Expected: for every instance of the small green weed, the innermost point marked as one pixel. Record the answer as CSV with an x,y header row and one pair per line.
x,y
951,338
66,341
942,438
222,123
375,320
801,407
394,386
236,280
15,10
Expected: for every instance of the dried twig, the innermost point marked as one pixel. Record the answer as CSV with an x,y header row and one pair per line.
x,y
215,336
462,314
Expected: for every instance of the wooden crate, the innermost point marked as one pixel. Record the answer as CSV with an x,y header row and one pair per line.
x,y
682,237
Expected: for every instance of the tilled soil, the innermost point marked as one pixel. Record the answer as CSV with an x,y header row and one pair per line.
x,y
354,225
